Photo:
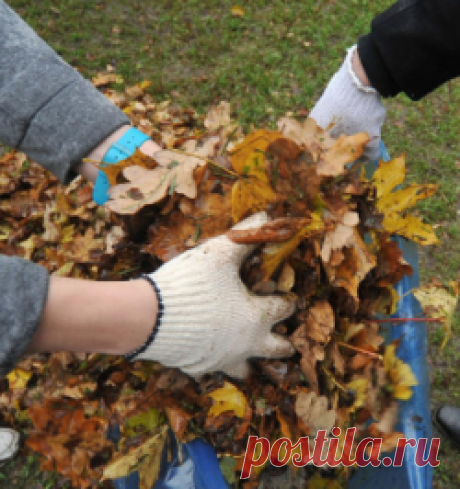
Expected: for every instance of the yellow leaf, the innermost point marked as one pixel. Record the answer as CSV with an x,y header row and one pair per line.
x,y
399,373
253,146
144,84
250,195
274,255
129,108
18,378
146,459
437,301
252,192
394,205
410,227
228,398
237,11
29,246
406,198
65,270
388,175
67,234
402,392
359,386
5,231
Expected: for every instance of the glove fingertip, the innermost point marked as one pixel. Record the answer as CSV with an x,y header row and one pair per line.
x,y
276,346
240,371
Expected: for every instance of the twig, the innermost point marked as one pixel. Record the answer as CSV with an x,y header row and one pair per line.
x,y
407,320
359,350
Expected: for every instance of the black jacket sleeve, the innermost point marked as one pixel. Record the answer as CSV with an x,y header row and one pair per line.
x,y
413,47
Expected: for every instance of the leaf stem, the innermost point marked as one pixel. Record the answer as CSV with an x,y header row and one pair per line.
x,y
210,162
333,379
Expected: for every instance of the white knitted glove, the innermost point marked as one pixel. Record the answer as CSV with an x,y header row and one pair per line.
x,y
210,320
351,106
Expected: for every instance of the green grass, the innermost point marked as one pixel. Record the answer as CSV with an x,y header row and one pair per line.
x,y
277,58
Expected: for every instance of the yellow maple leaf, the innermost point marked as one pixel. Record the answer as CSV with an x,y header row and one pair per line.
x,y
395,204
388,175
228,398
438,301
399,373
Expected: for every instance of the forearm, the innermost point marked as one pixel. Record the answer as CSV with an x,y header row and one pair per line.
x,y
95,317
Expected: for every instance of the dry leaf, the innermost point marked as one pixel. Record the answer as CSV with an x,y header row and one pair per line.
x,y
399,373
145,459
314,413
438,302
228,398
237,11
218,116
345,150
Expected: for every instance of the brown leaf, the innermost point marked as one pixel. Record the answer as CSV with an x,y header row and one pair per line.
x,y
218,116
314,413
112,171
275,231
178,420
345,150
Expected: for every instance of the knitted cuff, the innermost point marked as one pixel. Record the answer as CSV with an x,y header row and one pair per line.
x,y
351,72
375,67
130,356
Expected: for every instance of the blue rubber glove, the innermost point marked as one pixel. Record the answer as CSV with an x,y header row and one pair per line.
x,y
122,149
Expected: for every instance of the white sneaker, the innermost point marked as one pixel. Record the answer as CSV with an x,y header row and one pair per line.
x,y
9,443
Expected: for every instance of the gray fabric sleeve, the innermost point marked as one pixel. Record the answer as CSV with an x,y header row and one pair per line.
x,y
23,292
47,109
56,117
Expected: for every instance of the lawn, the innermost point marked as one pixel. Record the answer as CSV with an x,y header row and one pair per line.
x,y
276,58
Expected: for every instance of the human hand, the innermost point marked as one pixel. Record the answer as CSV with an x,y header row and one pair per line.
x,y
210,321
118,146
351,105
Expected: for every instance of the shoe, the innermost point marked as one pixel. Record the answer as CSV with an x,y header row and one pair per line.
x,y
9,443
447,421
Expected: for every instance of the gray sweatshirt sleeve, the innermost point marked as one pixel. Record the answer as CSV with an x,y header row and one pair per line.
x,y
23,291
56,117
47,109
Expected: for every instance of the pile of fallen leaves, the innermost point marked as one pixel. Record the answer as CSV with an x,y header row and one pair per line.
x,y
327,247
